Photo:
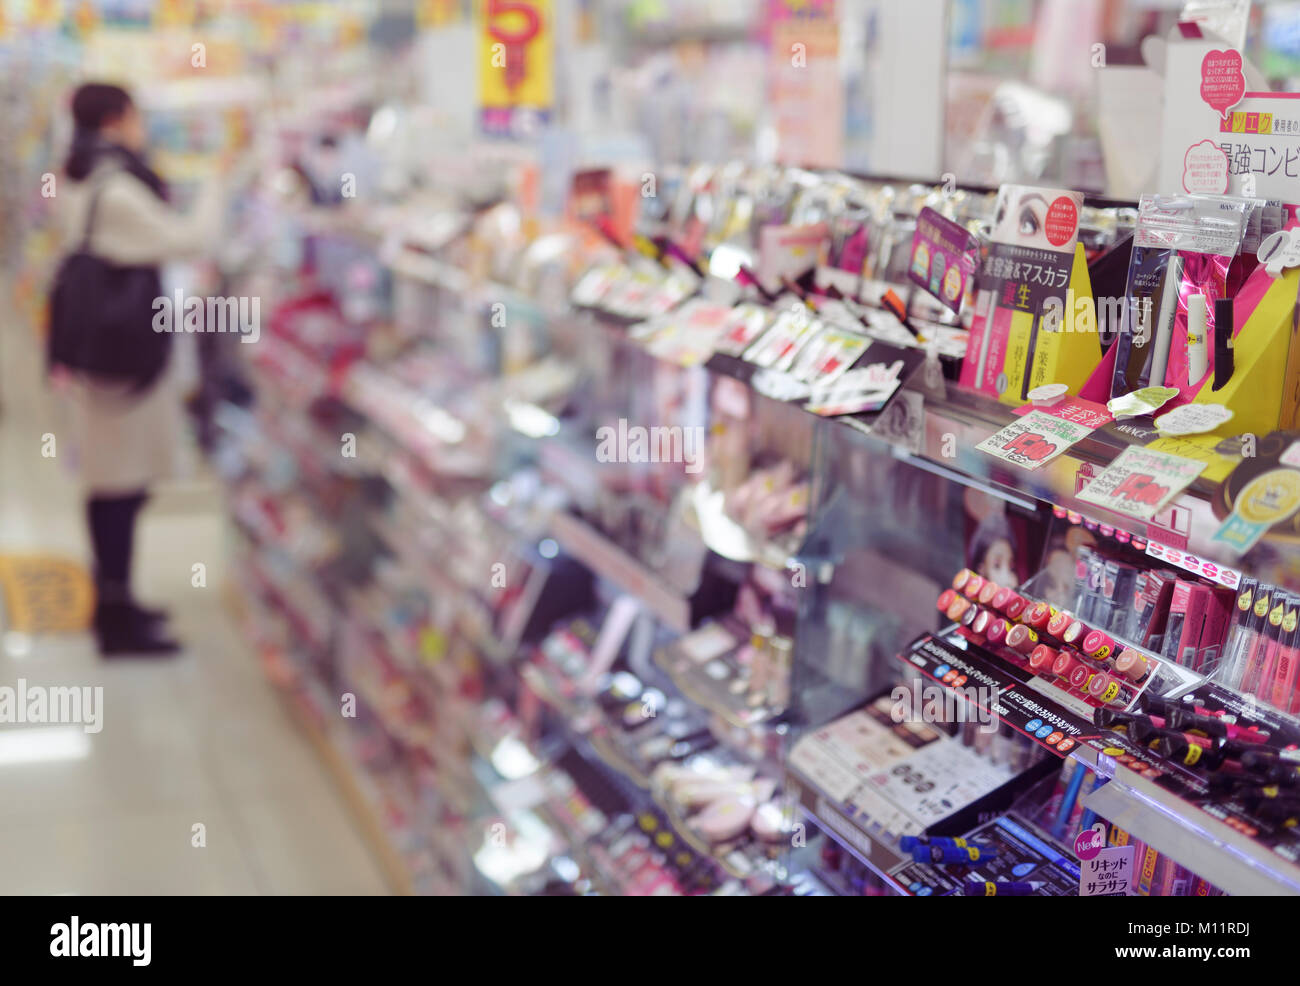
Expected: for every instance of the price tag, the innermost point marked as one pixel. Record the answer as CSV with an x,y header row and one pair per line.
x,y
1140,482
1033,439
1106,763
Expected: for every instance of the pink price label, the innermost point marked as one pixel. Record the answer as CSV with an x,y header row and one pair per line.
x,y
1205,169
1222,81
1062,221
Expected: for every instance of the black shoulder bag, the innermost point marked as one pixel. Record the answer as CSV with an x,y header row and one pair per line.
x,y
101,316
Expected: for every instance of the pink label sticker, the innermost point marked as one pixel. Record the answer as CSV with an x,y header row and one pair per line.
x,y
1062,221
1089,842
1222,81
1205,169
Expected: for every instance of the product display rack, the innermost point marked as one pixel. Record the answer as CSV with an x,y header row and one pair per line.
x,y
521,481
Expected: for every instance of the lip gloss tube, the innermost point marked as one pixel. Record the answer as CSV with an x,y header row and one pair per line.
x,y
1098,646
1264,651
987,593
1001,598
1038,616
1041,659
961,578
1060,622
1253,625
1075,633
957,607
1022,639
1284,676
1016,606
1132,665
997,630
974,584
1103,687
1064,665
945,600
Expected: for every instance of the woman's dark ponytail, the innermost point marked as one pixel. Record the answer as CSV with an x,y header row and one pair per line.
x,y
94,105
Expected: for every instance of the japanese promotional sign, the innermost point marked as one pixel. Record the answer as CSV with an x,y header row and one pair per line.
x,y
1034,439
1221,137
944,257
1140,482
516,64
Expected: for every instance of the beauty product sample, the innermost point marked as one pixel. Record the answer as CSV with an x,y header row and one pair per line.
x,y
1182,246
1197,340
1223,350
1164,322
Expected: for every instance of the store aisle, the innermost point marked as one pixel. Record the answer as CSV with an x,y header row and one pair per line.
x,y
201,740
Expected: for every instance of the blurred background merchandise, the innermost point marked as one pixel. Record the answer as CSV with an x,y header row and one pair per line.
x,y
435,645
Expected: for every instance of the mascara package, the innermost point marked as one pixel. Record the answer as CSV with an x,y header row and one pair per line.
x,y
1183,245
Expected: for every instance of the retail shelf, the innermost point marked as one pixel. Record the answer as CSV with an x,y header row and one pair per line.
x,y
1221,849
727,537
608,560
367,814
954,420
855,842
1225,856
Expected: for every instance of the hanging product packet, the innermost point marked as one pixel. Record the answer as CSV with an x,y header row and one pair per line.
x,y
1027,273
1183,247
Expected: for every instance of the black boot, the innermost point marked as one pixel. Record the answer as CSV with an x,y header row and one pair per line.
x,y
125,629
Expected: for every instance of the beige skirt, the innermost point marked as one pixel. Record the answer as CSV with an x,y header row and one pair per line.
x,y
123,442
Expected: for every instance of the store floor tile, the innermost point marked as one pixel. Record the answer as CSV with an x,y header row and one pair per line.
x,y
202,739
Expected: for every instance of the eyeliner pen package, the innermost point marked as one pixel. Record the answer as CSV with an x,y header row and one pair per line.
x,y
1183,245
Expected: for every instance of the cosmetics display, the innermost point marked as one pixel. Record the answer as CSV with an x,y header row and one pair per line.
x,y
626,503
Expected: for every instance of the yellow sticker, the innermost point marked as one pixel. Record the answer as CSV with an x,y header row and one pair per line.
x,y
1270,498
